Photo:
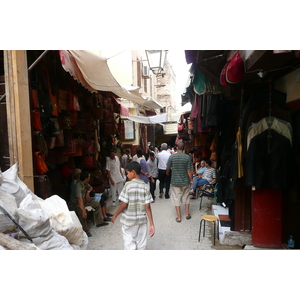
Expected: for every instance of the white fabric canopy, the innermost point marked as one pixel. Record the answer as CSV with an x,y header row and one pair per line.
x,y
92,71
149,120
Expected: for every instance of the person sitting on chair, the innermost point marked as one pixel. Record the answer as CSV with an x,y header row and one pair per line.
x,y
209,177
199,171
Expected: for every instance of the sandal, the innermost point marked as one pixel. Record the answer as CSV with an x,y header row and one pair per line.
x,y
188,217
178,221
193,197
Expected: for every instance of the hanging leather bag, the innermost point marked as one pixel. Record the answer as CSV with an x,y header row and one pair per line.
x,y
40,165
36,120
70,149
88,147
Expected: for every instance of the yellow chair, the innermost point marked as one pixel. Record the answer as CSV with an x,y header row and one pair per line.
x,y
210,218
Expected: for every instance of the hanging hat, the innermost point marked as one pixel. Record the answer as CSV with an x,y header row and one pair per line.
x,y
223,75
235,69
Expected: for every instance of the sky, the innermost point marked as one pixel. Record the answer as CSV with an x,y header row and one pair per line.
x,y
181,69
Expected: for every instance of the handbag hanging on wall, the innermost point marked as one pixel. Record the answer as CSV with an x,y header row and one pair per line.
x,y
70,149
40,165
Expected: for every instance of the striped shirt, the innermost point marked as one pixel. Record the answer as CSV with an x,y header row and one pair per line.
x,y
180,163
209,174
137,194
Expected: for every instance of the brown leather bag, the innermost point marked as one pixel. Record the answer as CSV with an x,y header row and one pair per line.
x,y
70,149
88,147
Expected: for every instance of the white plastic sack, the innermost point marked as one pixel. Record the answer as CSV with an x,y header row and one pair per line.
x,y
12,175
84,244
32,218
52,241
74,232
35,221
58,212
8,202
11,185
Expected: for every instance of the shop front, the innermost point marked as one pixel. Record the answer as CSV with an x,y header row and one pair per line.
x,y
244,117
76,118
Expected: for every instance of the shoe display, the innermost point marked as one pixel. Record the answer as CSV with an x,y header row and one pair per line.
x,y
102,224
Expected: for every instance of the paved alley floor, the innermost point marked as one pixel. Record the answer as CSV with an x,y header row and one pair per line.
x,y
169,235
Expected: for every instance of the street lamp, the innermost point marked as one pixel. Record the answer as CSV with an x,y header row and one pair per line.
x,y
156,60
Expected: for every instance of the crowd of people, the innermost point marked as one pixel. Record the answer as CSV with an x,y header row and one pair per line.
x,y
133,181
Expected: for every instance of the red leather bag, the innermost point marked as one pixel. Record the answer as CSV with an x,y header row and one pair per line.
x,y
88,161
223,76
36,120
40,165
70,149
235,69
180,127
34,99
88,147
73,103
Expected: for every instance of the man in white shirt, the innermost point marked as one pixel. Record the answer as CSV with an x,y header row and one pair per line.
x,y
164,179
115,176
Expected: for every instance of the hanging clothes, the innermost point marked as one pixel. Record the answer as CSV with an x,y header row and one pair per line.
x,y
280,126
268,163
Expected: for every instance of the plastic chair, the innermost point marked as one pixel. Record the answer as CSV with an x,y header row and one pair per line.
x,y
210,218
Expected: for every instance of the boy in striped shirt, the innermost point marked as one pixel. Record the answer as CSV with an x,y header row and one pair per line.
x,y
135,209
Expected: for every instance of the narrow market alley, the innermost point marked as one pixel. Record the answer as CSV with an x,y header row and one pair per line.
x,y
169,235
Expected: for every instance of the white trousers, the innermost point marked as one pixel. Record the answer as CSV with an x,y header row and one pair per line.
x,y
117,187
135,237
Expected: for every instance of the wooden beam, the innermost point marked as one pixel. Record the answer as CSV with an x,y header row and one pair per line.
x,y
13,244
18,113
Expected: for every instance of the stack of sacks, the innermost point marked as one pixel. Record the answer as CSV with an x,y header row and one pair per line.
x,y
48,222
65,222
35,221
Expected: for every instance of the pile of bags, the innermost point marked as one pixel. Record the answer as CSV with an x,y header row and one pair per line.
x,y
49,223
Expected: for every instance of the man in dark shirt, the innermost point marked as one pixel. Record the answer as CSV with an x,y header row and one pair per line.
x,y
80,198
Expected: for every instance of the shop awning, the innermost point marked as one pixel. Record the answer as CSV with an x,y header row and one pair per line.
x,y
149,120
92,71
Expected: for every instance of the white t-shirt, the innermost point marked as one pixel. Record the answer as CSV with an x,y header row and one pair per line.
x,y
162,158
113,165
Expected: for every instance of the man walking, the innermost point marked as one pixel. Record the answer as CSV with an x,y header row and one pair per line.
x,y
164,179
115,176
181,178
153,172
